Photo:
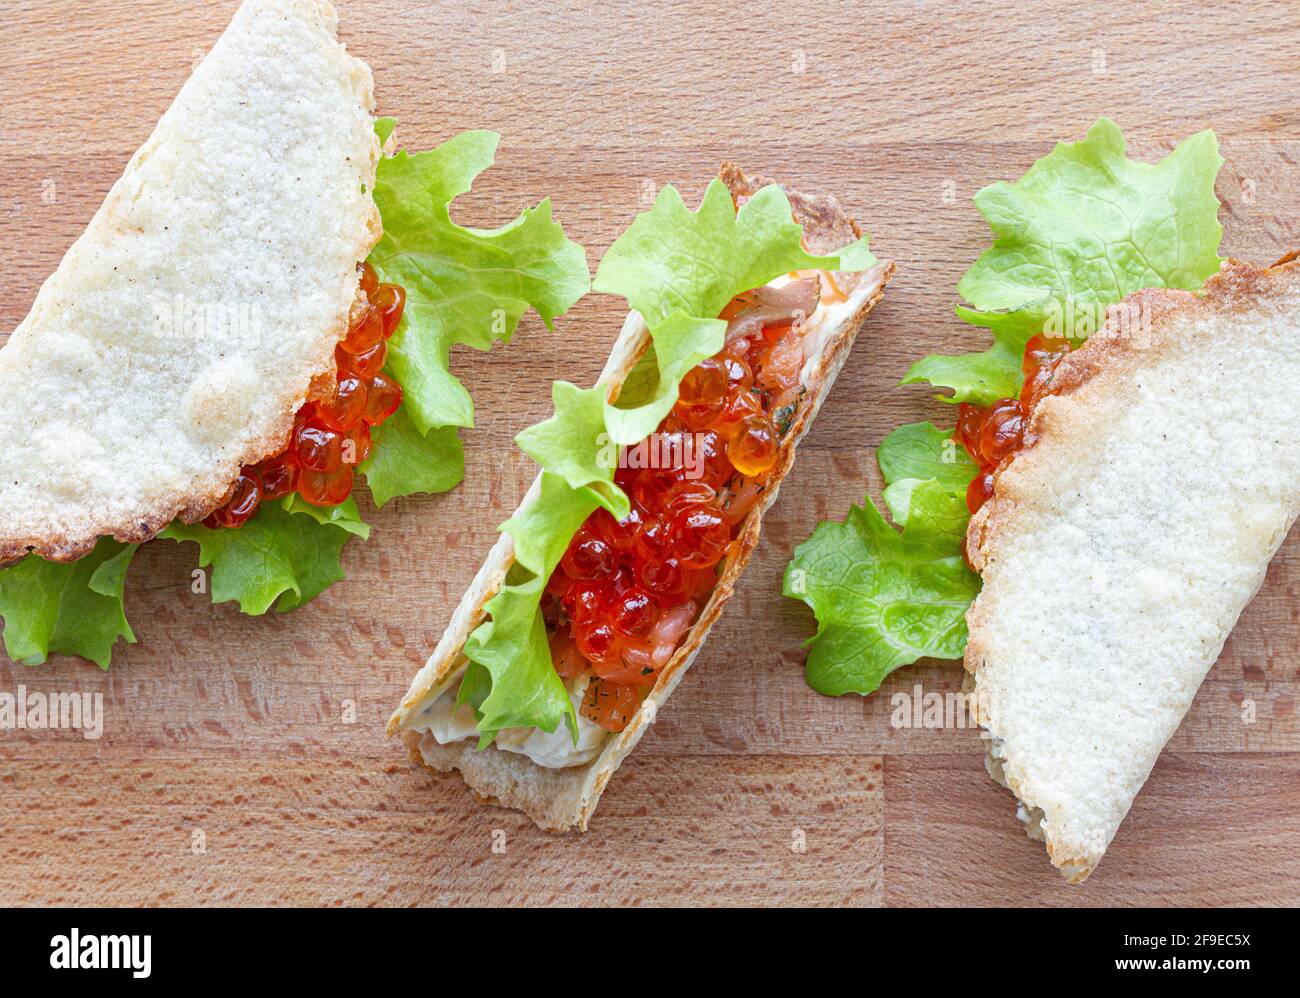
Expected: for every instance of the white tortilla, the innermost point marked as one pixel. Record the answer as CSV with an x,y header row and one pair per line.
x,y
1121,545
563,798
249,204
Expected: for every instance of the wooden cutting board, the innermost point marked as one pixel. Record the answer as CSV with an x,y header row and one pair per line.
x,y
243,760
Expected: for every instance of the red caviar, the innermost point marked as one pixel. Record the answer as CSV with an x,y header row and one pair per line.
x,y
626,591
331,437
993,434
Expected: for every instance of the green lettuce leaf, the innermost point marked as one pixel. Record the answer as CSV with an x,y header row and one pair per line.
x,y
671,259
573,444
384,128
345,515
680,342
923,451
918,453
883,597
1083,227
67,609
404,461
678,268
468,286
285,556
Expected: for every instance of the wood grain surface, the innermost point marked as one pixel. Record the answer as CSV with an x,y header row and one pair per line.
x,y
243,760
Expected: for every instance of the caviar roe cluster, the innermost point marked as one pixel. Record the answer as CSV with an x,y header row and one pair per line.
x,y
331,437
993,434
627,591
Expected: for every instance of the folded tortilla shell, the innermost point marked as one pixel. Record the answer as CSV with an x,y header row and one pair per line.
x,y
1123,542
190,320
560,799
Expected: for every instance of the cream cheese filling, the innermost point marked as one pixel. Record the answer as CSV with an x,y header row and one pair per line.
x,y
450,722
